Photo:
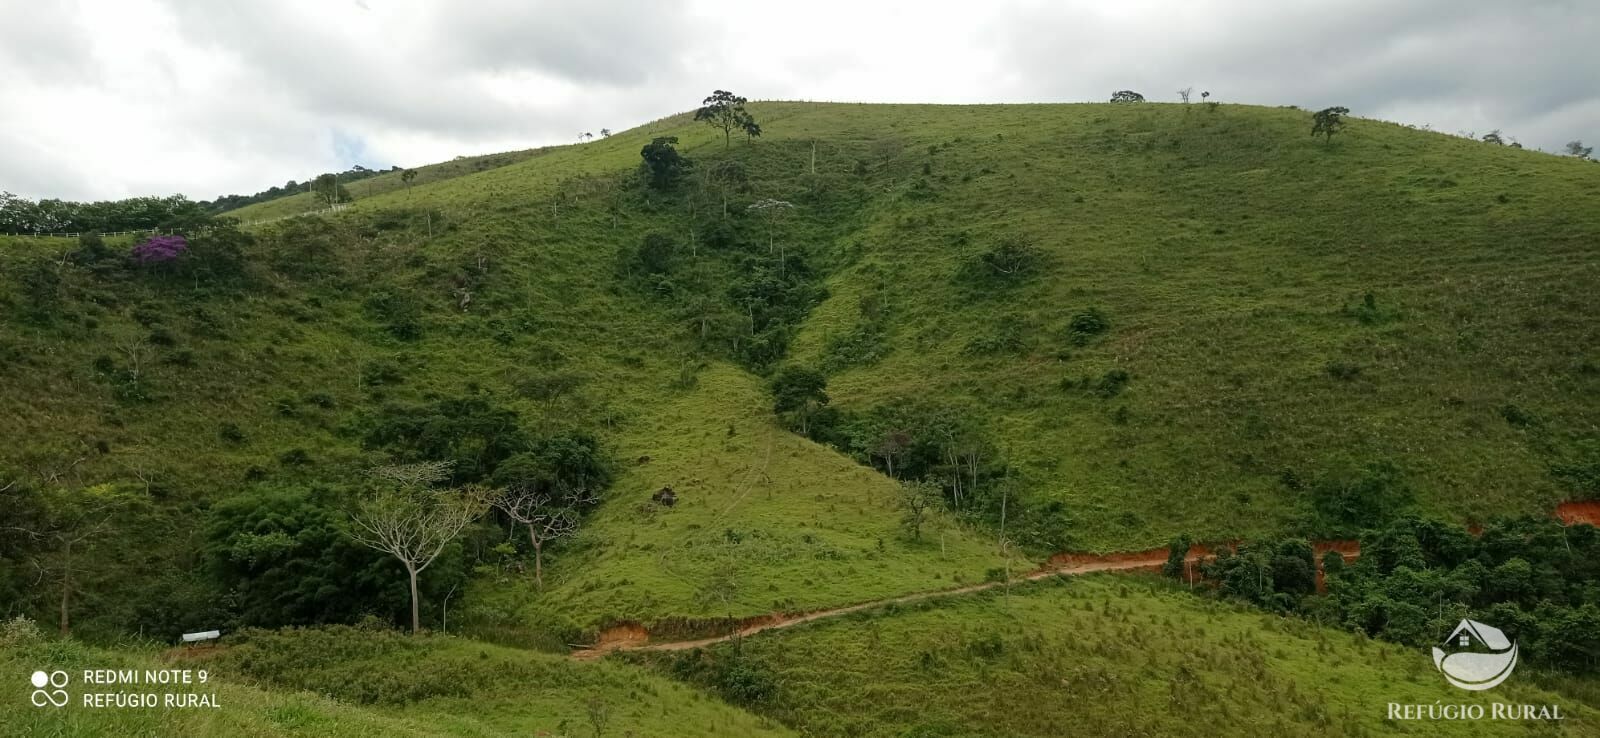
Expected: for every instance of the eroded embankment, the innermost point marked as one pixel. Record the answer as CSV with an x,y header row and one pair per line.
x,y
1573,513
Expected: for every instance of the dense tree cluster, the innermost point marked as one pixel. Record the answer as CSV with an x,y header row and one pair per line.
x,y
1417,578
20,215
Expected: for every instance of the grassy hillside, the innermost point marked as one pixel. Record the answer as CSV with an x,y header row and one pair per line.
x,y
764,522
1284,310
1278,316
353,682
1093,656
305,202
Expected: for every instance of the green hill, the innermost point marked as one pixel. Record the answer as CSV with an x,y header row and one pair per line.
x,y
1088,327
355,682
305,202
1093,656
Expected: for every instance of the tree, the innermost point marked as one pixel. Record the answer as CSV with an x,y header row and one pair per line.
x,y
917,501
407,177
284,559
1126,96
548,489
1493,137
771,211
68,522
656,253
1328,121
605,133
1177,566
725,110
1576,148
409,519
1011,259
800,392
471,433
546,497
327,190
663,165
728,175
1184,94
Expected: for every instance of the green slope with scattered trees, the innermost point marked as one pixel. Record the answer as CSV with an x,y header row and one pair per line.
x,y
786,356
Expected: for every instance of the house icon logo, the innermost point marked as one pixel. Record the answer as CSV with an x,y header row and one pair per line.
x,y
1481,656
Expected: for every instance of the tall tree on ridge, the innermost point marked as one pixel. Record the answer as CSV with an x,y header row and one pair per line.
x,y
725,110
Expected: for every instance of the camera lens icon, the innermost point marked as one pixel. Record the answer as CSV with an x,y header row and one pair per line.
x,y
55,695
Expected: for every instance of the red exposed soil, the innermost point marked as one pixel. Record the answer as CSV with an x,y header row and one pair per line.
x,y
1573,513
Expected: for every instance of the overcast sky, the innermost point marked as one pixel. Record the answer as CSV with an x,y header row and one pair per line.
x,y
112,98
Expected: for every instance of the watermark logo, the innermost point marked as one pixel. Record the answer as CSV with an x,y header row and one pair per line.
x,y
1481,656
47,688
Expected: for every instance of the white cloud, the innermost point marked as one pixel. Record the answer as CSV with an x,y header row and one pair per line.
x,y
109,98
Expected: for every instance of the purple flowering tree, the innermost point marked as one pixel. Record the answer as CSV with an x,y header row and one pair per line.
x,y
160,249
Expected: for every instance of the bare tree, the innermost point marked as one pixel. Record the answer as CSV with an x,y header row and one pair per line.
x,y
547,514
1185,93
137,352
70,522
772,211
412,521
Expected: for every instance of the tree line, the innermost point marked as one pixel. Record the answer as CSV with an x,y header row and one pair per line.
x,y
1416,578
22,216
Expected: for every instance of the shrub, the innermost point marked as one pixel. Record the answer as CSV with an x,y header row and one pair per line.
x,y
655,254
1342,371
1516,416
231,433
1177,557
1582,472
380,373
19,632
295,457
1009,262
398,313
862,345
1112,383
1006,337
1349,499
91,249
1086,325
